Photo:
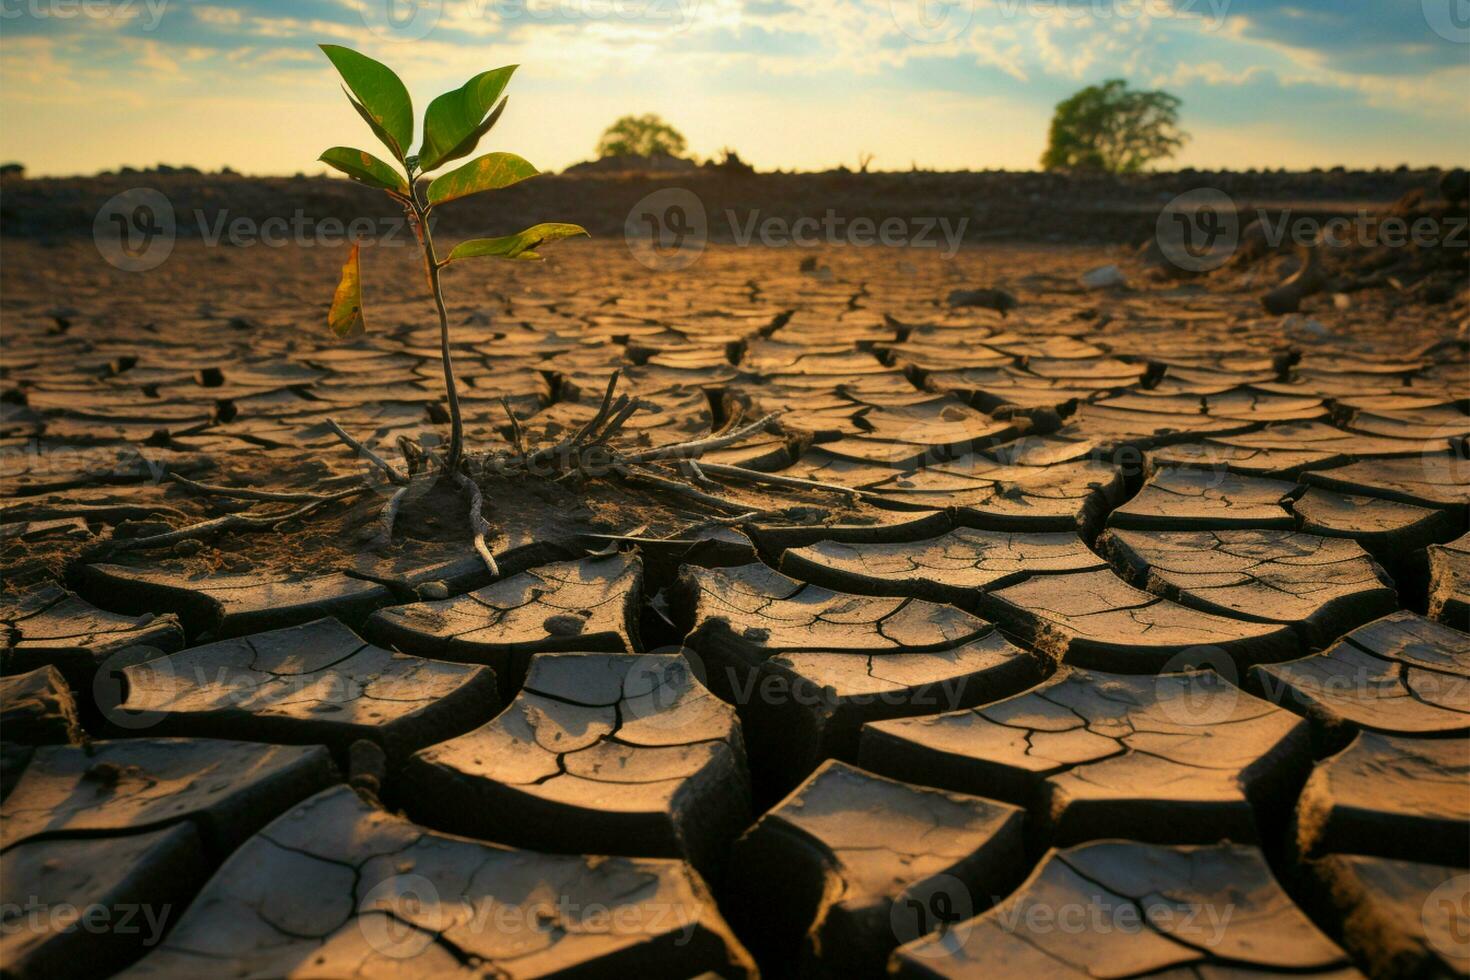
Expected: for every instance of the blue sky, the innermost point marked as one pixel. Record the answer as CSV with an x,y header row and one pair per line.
x,y
805,84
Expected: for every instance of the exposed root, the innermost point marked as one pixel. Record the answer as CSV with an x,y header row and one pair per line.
x,y
672,469
388,469
478,524
390,514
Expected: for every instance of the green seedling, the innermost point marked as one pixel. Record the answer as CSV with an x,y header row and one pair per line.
x,y
688,486
454,124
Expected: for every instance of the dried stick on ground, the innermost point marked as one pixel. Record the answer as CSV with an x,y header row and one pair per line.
x,y
230,522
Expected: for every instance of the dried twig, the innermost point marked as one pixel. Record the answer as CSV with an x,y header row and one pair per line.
x,y
517,434
684,490
602,412
230,522
775,479
245,493
698,447
388,468
625,410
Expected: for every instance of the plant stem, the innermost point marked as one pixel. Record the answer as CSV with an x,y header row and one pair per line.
x,y
431,263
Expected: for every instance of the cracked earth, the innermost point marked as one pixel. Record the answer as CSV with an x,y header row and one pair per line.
x,y
1137,645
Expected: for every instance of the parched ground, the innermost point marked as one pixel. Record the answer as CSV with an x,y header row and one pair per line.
x,y
1142,649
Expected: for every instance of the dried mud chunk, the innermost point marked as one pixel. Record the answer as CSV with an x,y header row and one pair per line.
x,y
869,525
1284,451
140,881
942,425
1194,499
1321,587
230,789
1389,530
1399,918
589,605
1120,908
613,753
37,708
830,881
1114,428
317,683
952,568
131,825
1392,797
233,604
1182,758
390,897
806,707
740,616
1441,481
1399,675
1064,497
1449,583
55,627
1095,619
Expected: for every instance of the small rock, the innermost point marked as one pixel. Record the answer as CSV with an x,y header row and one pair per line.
x,y
1342,301
1105,277
433,590
188,547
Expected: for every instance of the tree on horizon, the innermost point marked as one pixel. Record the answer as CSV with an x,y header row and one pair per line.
x,y
1113,129
644,136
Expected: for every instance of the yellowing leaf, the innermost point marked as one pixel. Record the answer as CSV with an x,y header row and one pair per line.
x,y
518,246
365,168
345,319
487,173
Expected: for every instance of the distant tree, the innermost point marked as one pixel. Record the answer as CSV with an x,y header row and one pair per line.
x,y
1111,128
642,136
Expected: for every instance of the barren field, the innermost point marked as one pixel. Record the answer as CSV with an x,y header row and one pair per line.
x,y
1125,634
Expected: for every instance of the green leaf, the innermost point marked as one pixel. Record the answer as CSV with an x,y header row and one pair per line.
x,y
487,173
365,168
345,319
517,246
380,96
455,121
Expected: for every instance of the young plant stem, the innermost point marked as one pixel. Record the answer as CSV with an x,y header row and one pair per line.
x,y
431,263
